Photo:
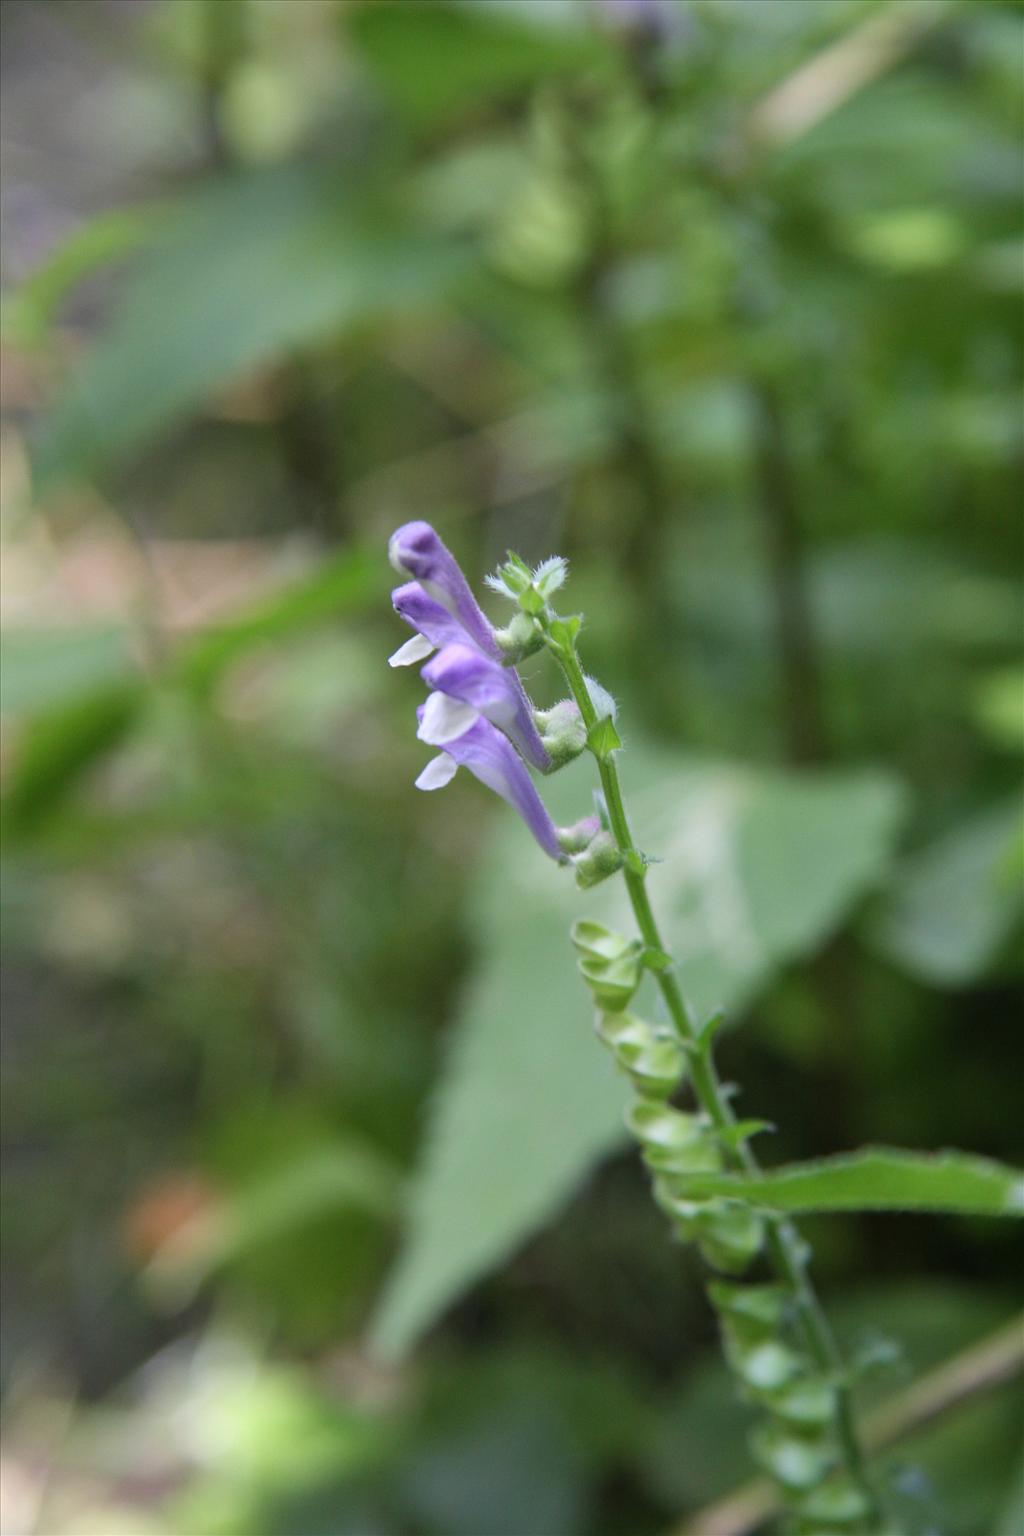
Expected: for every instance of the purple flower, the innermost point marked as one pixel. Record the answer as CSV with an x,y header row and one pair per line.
x,y
415,550
489,757
460,673
434,625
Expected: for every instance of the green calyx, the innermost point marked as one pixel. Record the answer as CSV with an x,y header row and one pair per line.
x,y
519,638
562,731
651,1056
612,982
599,860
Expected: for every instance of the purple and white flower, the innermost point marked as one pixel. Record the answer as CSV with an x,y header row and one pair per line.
x,y
490,758
465,680
416,550
435,627
467,675
477,711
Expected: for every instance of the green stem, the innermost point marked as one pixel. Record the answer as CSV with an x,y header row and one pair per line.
x,y
785,1246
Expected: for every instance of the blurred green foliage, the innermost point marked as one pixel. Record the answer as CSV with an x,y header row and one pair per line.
x,y
720,298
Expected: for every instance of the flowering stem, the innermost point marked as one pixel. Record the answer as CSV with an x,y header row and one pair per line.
x,y
785,1246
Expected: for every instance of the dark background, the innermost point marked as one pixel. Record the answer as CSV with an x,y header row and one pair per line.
x,y
720,299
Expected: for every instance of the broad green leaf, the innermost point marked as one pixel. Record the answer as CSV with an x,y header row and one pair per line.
x,y
878,1179
528,1101
435,61
954,904
758,869
249,269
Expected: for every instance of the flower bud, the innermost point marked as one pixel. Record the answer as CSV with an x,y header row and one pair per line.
x,y
562,731
519,638
601,859
652,1056
579,836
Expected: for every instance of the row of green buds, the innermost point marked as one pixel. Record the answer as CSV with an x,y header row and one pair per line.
x,y
796,1441
675,1145
611,965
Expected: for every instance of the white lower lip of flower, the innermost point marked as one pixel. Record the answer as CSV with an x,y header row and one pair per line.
x,y
444,719
414,650
438,772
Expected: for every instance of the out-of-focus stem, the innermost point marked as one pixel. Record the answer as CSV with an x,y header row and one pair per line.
x,y
795,640
996,1359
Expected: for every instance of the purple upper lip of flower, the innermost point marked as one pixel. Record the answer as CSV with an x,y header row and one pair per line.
x,y
432,620
490,758
461,672
416,550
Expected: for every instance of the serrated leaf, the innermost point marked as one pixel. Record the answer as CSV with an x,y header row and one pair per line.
x,y
878,1179
525,1108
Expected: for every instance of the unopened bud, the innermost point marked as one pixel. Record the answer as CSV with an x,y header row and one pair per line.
x,y
601,859
562,731
579,836
519,638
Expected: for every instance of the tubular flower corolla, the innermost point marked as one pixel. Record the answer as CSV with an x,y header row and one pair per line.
x,y
489,757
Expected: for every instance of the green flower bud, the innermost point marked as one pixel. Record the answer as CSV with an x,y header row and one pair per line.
x,y
752,1312
836,1506
519,638
612,982
596,941
808,1404
797,1463
731,1235
652,1057
562,731
601,859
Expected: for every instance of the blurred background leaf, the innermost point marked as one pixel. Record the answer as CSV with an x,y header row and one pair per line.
x,y
720,300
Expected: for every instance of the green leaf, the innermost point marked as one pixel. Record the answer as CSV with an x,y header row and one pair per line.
x,y
351,582
954,905
107,238
603,739
41,669
60,744
246,271
877,1179
346,1174
530,1100
439,60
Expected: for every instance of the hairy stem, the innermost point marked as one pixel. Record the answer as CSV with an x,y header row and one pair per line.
x,y
785,1246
